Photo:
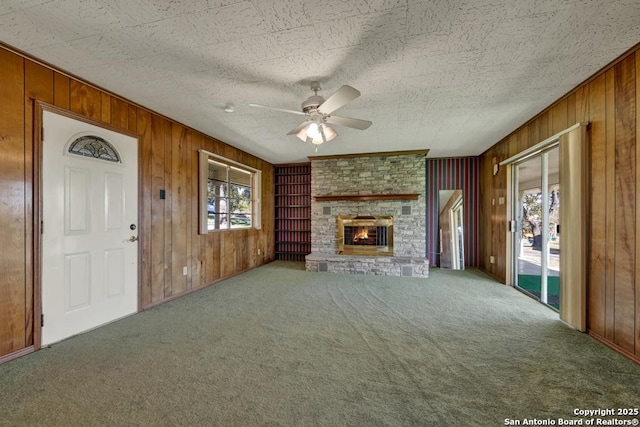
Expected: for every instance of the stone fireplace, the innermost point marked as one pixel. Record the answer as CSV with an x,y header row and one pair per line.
x,y
382,194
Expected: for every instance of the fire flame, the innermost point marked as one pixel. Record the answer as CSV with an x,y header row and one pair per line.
x,y
362,234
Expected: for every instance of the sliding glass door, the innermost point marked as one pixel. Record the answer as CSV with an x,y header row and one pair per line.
x,y
536,235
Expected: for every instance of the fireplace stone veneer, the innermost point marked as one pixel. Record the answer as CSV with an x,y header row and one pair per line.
x,y
397,174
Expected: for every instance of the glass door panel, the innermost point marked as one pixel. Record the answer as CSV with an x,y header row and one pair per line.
x,y
528,240
553,243
537,237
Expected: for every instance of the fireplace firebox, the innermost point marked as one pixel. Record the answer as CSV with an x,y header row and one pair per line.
x,y
365,235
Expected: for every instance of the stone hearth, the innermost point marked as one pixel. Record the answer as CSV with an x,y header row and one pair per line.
x,y
403,179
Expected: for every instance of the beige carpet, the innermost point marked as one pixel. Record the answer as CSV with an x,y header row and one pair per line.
x,y
278,346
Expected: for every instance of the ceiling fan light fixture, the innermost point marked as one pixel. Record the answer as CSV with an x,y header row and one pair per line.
x,y
329,133
318,112
314,133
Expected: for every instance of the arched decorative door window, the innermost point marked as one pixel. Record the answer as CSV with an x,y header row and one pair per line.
x,y
95,147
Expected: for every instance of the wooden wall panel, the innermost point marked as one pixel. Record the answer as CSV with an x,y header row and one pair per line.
x,y
543,127
571,109
199,242
582,104
227,253
266,238
534,133
500,191
132,118
625,195
85,100
61,95
119,113
12,209
214,257
157,209
188,196
242,250
608,101
598,212
637,266
513,144
525,137
486,191
167,206
145,185
252,248
610,202
212,251
491,195
559,117
105,107
178,209
39,83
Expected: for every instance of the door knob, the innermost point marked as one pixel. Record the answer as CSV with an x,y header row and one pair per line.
x,y
133,238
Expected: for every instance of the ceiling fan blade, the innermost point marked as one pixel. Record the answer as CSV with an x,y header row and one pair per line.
x,y
340,98
349,122
298,128
266,107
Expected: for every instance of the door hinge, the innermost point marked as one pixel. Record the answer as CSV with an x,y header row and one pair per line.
x,y
41,320
42,227
513,225
42,134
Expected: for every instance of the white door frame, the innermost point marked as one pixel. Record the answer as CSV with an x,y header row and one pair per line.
x,y
39,108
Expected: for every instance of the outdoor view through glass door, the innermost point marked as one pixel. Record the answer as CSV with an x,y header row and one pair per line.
x,y
536,207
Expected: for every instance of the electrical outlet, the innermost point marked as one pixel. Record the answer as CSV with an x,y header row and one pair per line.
x,y
492,259
185,271
493,202
258,251
501,201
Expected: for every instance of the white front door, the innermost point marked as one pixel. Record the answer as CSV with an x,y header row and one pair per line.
x,y
90,226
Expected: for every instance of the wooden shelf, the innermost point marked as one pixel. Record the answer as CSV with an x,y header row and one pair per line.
x,y
301,218
295,242
292,173
293,211
411,196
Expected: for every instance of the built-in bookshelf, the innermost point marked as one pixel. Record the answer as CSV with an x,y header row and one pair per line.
x,y
293,211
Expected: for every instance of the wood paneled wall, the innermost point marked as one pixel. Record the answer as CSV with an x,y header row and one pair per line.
x,y
168,228
608,101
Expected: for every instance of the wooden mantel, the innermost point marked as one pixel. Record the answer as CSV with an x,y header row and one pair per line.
x,y
362,197
377,154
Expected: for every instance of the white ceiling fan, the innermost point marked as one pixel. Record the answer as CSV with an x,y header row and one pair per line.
x,y
318,111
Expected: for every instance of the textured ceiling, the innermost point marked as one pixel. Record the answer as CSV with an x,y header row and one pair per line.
x,y
451,76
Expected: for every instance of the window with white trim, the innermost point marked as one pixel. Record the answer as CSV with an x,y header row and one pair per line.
x,y
229,194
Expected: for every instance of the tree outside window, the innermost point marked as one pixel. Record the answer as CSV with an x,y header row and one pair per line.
x,y
229,202
532,215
